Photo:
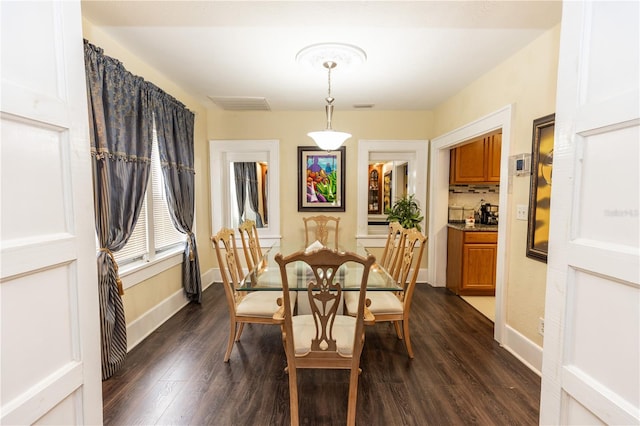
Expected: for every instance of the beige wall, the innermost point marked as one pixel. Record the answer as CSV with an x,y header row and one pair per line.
x,y
527,80
146,295
291,129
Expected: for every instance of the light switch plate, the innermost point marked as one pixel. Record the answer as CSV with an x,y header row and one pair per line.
x,y
521,212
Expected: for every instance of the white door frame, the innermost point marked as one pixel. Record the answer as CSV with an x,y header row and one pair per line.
x,y
439,201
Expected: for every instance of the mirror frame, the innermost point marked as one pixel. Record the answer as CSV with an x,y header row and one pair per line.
x,y
223,152
416,153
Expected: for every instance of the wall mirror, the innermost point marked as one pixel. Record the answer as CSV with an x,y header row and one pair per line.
x,y
245,185
388,180
248,200
387,169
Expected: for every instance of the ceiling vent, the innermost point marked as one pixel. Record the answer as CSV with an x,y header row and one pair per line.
x,y
241,103
363,106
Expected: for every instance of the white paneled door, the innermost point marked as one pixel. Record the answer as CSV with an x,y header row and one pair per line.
x,y
591,360
50,330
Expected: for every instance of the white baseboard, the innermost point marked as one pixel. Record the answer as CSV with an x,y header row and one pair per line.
x,y
524,349
139,329
211,276
423,273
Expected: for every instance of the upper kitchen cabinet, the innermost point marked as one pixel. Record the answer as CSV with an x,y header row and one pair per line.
x,y
477,161
493,157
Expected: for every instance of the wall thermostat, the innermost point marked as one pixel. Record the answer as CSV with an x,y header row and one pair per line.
x,y
522,164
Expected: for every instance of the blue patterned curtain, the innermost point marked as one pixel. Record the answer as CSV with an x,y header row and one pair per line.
x,y
174,126
120,126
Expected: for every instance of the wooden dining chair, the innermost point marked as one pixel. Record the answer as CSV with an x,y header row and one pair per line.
x,y
250,243
389,259
323,339
319,228
396,306
244,306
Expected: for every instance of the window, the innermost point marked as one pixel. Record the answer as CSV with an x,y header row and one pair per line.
x,y
154,233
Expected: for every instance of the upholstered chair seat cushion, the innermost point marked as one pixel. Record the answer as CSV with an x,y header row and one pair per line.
x,y
382,302
261,303
304,330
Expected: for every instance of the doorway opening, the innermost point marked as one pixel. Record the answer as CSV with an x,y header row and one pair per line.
x,y
438,204
474,192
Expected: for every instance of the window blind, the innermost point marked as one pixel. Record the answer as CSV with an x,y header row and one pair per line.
x,y
165,234
154,230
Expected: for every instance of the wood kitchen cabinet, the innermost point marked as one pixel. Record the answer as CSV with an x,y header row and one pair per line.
x,y
493,157
477,162
471,262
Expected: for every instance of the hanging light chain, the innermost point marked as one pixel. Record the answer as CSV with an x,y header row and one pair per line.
x,y
329,65
329,81
329,106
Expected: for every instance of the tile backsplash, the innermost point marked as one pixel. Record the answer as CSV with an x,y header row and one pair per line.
x,y
470,195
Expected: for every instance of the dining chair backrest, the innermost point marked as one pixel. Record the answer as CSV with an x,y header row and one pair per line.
x,y
411,253
320,228
325,338
250,243
390,254
229,263
396,307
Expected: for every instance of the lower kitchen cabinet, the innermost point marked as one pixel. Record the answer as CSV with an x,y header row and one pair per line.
x,y
471,262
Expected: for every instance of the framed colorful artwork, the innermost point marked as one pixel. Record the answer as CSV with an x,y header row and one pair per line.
x,y
321,179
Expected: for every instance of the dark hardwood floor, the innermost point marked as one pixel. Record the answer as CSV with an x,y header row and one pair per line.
x,y
459,376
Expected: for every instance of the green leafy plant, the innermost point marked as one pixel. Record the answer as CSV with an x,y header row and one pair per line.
x,y
406,211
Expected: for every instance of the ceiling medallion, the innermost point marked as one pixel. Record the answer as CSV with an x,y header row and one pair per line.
x,y
316,55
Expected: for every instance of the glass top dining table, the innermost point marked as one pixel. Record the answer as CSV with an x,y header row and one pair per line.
x,y
266,276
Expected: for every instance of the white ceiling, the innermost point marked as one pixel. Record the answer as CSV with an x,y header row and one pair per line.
x,y
419,53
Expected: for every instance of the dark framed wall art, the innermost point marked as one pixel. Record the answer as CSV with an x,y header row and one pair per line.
x,y
540,194
321,179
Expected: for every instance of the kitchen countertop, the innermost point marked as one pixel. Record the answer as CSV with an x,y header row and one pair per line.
x,y
476,228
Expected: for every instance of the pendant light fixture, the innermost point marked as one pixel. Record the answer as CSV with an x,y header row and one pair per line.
x,y
329,139
328,54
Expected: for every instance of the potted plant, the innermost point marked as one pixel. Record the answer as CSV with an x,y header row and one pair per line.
x,y
406,211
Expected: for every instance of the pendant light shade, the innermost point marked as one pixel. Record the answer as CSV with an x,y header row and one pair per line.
x,y
328,139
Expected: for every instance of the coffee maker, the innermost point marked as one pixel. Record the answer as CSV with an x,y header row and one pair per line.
x,y
488,214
